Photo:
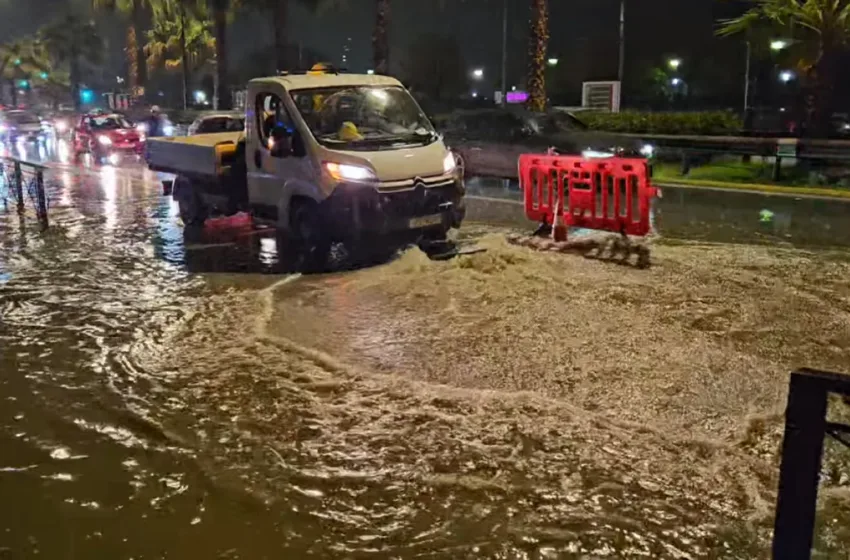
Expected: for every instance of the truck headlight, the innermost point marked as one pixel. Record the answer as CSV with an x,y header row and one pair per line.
x,y
449,163
348,172
647,150
104,140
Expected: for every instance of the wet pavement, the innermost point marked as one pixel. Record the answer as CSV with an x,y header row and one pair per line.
x,y
165,397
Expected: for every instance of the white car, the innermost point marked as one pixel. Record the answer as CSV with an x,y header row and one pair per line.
x,y
217,122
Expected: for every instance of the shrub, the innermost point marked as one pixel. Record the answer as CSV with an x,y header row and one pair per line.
x,y
716,123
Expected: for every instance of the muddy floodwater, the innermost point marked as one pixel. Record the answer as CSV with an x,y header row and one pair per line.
x,y
171,398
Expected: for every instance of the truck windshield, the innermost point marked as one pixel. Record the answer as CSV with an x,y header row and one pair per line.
x,y
363,117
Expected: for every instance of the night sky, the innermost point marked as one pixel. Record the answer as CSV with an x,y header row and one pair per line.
x,y
584,32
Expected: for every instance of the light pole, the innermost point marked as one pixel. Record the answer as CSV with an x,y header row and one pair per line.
x,y
621,66
552,61
747,80
776,45
504,53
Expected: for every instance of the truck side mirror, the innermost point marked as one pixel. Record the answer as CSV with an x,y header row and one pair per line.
x,y
281,144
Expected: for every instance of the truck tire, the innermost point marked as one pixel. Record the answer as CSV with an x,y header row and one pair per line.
x,y
307,232
193,211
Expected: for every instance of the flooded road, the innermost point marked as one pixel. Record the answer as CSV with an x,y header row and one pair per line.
x,y
169,399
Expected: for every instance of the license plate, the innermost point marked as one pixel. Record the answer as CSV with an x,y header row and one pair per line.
x,y
425,221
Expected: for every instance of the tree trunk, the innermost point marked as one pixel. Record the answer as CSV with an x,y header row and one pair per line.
x,y
215,87
74,76
184,56
380,37
138,26
539,43
2,70
14,91
280,19
220,23
820,102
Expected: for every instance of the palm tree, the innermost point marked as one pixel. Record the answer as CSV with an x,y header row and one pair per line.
x,y
381,37
221,10
820,31
538,45
18,60
137,10
180,38
71,40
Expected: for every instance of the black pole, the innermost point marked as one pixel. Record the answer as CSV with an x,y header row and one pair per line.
x,y
504,53
802,447
19,187
41,198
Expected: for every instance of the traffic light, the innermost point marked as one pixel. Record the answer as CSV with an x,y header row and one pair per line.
x,y
17,62
23,84
43,75
86,96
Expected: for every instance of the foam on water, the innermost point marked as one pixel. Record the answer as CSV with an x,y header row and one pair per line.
x,y
513,402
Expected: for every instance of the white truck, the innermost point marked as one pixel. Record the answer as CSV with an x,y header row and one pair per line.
x,y
325,157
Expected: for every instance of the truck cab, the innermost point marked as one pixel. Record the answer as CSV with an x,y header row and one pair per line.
x,y
323,155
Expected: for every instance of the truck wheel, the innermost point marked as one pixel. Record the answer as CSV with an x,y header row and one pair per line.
x,y
193,211
305,226
304,222
461,164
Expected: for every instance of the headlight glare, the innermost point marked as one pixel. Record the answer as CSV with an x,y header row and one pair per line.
x,y
449,163
348,172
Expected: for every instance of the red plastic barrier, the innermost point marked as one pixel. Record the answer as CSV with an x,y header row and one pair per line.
x,y
609,194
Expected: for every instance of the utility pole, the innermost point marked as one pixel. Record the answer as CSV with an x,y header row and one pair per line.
x,y
747,80
622,67
504,53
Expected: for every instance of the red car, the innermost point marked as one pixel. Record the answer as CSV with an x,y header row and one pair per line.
x,y
108,138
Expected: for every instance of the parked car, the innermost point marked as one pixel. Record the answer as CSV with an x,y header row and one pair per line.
x,y
490,141
107,137
21,125
217,122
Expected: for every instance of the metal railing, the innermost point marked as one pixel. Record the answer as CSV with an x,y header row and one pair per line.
x,y
802,450
691,147
21,180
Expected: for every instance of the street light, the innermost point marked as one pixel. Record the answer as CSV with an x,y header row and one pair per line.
x,y
553,61
786,76
778,44
200,96
675,82
478,73
370,72
674,63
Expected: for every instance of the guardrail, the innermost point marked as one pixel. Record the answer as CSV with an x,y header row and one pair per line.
x,y
802,449
778,148
20,180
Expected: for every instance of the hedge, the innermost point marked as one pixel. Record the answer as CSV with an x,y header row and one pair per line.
x,y
702,123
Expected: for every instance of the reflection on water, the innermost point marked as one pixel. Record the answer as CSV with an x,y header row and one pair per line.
x,y
158,402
